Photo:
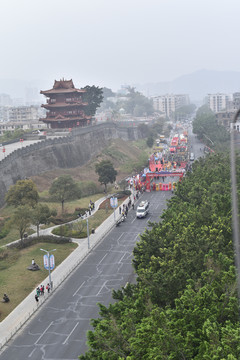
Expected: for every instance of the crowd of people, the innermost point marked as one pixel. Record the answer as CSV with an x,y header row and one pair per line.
x,y
40,291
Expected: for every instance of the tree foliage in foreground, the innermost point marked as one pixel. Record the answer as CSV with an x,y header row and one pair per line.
x,y
63,189
106,173
93,97
209,131
24,192
184,305
22,219
41,215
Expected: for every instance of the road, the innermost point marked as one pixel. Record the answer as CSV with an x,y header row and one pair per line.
x,y
196,144
58,329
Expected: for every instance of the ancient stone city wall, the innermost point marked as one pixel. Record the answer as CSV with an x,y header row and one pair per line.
x,y
70,151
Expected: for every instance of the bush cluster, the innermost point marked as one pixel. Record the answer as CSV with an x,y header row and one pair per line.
x,y
65,218
122,194
29,241
69,231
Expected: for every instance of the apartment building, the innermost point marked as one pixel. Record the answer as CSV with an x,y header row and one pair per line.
x,y
20,117
169,103
23,113
218,102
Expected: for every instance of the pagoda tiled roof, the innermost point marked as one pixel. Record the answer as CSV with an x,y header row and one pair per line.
x,y
62,91
66,84
62,87
62,105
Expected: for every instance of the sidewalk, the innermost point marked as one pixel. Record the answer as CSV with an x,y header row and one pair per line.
x,y
22,313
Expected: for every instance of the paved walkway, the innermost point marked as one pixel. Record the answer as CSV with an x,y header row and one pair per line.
x,y
21,314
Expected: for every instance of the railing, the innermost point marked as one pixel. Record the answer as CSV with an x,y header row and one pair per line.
x,y
70,270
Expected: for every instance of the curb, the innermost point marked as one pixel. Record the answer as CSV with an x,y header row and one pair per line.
x,y
66,274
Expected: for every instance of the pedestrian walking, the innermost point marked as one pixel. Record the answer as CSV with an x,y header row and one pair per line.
x,y
43,289
120,210
38,291
36,298
48,287
133,205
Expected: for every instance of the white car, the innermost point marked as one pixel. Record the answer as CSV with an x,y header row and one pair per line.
x,y
142,209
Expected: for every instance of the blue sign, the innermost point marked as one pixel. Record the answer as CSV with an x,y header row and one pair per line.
x,y
114,202
46,261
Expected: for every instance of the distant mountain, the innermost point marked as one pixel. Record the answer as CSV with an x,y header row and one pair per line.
x,y
197,84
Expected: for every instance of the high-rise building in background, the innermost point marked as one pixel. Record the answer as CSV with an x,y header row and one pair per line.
x,y
218,102
169,103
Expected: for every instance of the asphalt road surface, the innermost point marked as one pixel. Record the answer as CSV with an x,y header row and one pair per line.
x,y
58,329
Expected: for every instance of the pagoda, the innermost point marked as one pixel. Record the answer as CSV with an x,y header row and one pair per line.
x,y
65,107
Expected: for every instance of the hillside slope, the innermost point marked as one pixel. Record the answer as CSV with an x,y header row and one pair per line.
x,y
125,156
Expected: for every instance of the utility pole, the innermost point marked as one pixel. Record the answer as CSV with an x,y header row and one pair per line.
x,y
47,266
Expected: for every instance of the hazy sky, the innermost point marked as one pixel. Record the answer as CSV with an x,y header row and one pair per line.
x,y
113,42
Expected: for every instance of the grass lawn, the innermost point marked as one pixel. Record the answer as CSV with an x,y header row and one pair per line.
x,y
69,208
16,281
73,230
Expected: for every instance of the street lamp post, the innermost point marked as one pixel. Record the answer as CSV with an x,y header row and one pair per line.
x,y
88,235
49,270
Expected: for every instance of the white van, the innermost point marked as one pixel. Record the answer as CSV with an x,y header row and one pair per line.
x,y
142,209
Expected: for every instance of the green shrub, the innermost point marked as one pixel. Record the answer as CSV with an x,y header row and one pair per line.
x,y
5,228
123,193
3,253
34,240
75,230
80,211
65,218
89,188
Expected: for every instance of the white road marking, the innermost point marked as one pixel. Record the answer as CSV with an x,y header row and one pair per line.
x,y
70,334
104,285
44,332
102,259
121,258
78,288
31,352
133,220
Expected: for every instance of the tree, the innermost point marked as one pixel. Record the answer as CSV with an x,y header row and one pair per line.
x,y
64,188
138,104
150,141
22,219
24,192
209,131
41,215
184,304
93,96
107,173
185,110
